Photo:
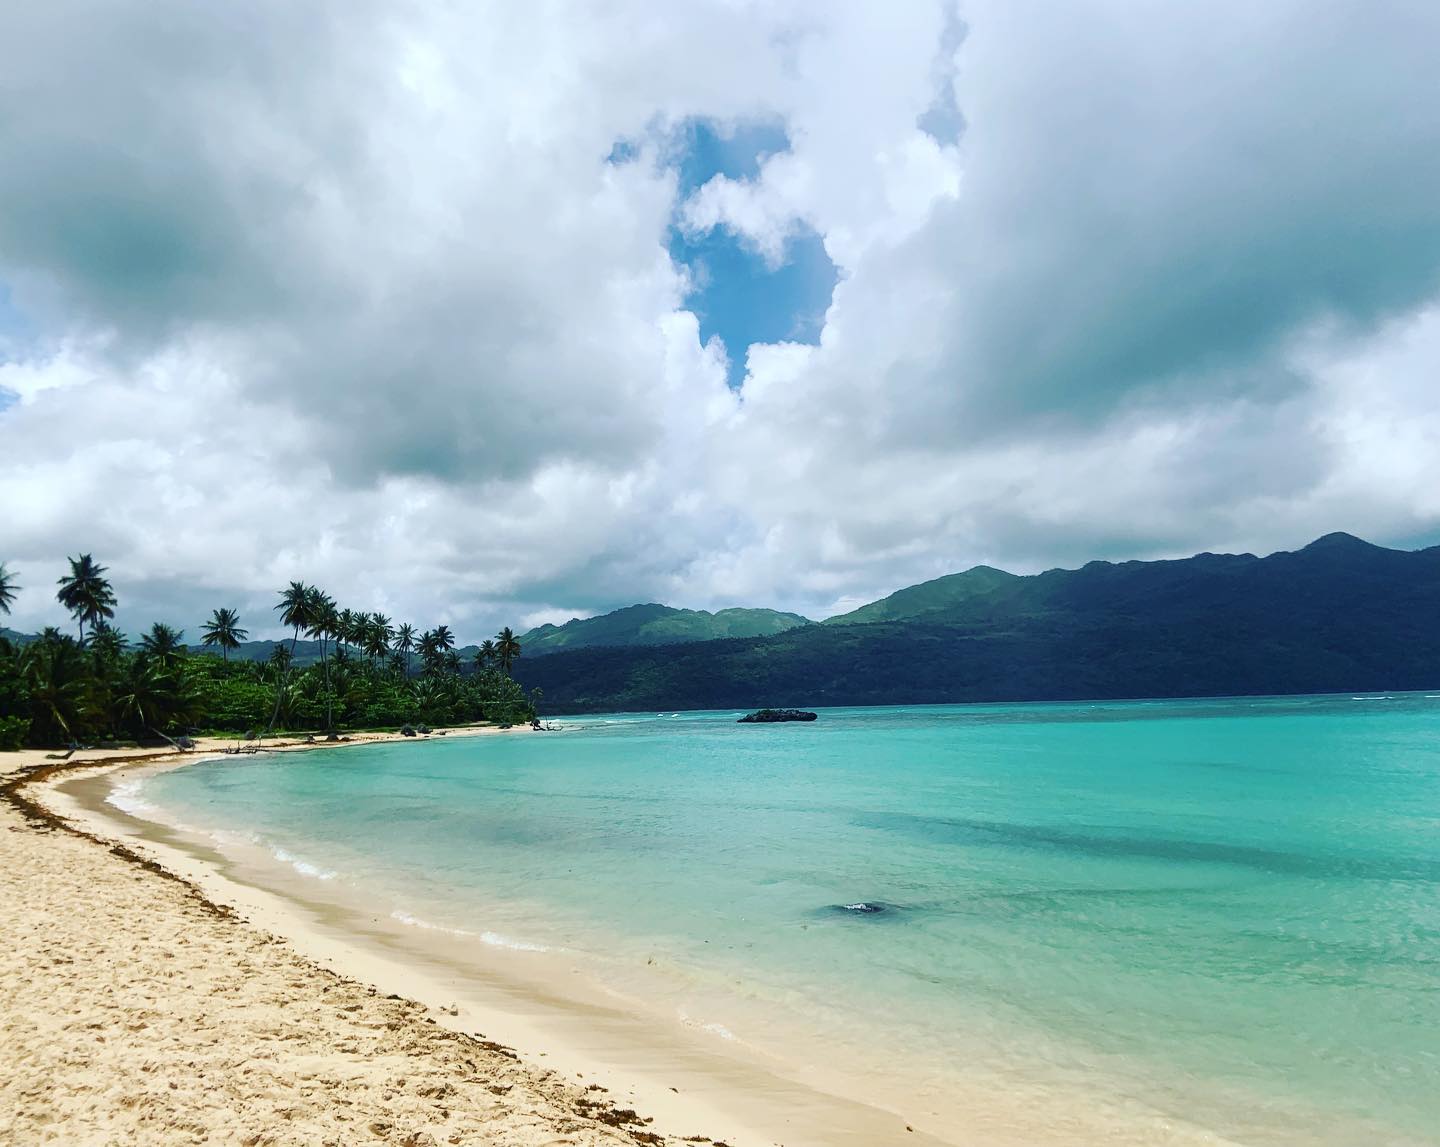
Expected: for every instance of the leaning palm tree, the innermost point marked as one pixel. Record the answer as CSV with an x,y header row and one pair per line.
x,y
405,642
223,629
86,593
507,648
7,589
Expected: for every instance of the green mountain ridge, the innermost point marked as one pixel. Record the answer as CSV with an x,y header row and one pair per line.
x,y
654,624
928,597
1338,615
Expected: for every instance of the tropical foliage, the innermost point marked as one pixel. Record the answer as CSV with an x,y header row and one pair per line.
x,y
86,593
58,689
223,629
8,588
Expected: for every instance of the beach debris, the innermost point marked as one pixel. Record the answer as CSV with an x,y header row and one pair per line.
x,y
773,716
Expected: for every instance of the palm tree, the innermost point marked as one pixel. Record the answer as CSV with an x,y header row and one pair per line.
x,y
7,589
86,593
507,648
444,639
378,635
346,631
223,629
405,642
154,696
485,655
57,680
430,651
163,645
107,674
280,657
296,609
324,624
106,643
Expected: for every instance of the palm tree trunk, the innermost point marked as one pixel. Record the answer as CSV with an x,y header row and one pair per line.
x,y
325,662
280,685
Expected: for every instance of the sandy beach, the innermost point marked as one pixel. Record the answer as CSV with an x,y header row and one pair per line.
x,y
149,999
137,1011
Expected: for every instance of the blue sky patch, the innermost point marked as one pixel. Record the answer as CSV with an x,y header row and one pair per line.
x,y
736,295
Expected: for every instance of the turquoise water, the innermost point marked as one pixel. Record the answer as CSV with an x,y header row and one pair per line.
x,y
1227,911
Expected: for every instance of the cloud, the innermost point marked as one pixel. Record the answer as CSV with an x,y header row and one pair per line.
x,y
359,294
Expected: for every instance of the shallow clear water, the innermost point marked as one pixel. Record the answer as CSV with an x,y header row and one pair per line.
x,y
1226,910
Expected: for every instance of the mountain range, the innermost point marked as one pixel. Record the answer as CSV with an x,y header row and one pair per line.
x,y
1340,614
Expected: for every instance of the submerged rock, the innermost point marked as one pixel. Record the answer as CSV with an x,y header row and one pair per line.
x,y
864,908
770,716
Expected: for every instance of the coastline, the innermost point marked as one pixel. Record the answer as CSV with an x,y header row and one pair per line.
x,y
610,1061
521,1011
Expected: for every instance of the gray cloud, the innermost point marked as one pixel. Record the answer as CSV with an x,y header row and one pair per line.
x,y
1157,199
350,293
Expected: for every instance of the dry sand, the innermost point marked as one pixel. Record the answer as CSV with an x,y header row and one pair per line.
x,y
135,1011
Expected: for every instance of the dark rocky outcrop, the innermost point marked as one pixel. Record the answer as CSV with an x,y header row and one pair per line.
x,y
773,716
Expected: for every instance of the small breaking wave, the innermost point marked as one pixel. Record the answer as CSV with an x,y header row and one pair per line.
x,y
494,939
700,1025
303,867
126,797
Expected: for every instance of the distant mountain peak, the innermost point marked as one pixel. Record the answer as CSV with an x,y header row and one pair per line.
x,y
929,597
1340,540
651,623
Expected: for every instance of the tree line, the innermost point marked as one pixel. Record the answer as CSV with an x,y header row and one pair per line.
x,y
99,687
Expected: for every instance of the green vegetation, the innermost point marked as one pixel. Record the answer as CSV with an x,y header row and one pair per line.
x,y
1339,615
929,597
659,625
57,689
223,629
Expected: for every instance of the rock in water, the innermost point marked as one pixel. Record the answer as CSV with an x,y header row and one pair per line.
x,y
770,716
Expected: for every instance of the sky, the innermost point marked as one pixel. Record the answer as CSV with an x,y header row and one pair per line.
x,y
497,314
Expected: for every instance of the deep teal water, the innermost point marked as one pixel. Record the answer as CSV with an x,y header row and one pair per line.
x,y
1229,910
